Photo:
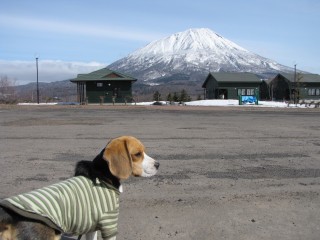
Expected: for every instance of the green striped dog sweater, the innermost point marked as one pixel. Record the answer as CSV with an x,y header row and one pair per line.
x,y
76,206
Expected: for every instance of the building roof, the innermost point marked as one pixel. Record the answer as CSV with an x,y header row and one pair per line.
x,y
103,74
233,77
315,78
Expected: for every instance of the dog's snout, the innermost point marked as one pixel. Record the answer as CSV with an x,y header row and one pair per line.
x,y
157,165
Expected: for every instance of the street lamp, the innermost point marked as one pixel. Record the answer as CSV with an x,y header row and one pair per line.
x,y
37,81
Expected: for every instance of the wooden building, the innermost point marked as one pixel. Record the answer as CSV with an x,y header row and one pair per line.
x,y
294,87
104,86
231,85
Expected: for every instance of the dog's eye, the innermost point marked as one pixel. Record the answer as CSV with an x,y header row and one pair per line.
x,y
139,154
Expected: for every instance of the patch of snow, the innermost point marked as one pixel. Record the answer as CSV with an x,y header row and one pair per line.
x,y
48,104
225,103
233,102
36,104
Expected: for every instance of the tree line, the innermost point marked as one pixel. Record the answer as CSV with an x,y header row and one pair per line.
x,y
183,96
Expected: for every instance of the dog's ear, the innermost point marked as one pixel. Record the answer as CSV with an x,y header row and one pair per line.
x,y
119,159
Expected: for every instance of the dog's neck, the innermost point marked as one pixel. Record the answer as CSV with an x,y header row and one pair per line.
x,y
102,170
97,169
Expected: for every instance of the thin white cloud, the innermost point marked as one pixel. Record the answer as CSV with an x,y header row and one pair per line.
x,y
104,31
49,70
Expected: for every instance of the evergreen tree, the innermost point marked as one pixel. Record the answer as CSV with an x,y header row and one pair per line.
x,y
176,97
157,96
184,97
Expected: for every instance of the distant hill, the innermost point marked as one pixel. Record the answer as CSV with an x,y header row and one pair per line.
x,y
54,91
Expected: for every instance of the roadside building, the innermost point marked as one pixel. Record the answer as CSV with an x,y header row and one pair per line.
x,y
231,85
104,86
294,87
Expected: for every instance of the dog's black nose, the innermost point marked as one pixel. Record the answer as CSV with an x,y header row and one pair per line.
x,y
157,164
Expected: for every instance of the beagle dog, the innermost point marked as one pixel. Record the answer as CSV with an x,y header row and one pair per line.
x,y
80,205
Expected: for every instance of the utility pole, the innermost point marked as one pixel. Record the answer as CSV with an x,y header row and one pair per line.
x,y
295,83
37,81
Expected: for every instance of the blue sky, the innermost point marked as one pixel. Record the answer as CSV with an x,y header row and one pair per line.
x,y
76,36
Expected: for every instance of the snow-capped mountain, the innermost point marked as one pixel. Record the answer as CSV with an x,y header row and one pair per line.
x,y
185,55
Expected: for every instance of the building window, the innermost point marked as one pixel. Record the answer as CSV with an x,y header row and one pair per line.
x,y
241,91
309,92
314,91
250,91
99,84
246,91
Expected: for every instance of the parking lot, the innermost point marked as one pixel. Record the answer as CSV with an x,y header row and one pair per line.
x,y
225,173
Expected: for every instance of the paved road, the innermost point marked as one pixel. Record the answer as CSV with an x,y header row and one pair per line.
x,y
226,173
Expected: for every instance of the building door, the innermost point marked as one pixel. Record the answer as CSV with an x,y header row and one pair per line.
x,y
223,94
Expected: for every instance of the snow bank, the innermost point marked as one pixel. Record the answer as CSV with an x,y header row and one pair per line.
x,y
226,103
235,103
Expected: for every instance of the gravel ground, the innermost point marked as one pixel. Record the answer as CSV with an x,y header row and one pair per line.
x,y
226,173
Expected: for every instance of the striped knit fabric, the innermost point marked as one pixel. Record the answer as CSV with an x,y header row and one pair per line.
x,y
75,206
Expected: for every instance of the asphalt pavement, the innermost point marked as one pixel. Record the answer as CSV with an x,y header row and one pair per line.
x,y
225,172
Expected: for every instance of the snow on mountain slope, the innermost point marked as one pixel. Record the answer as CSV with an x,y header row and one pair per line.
x,y
187,54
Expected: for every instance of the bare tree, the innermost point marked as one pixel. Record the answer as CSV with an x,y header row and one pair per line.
x,y
7,90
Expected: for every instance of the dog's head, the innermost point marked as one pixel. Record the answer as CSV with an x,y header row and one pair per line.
x,y
126,156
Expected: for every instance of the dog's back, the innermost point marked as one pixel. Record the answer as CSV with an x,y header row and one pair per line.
x,y
6,222
14,227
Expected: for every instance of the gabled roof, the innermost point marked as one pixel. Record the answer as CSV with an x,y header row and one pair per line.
x,y
315,78
233,77
103,74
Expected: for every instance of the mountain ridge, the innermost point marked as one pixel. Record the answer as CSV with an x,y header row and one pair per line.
x,y
193,53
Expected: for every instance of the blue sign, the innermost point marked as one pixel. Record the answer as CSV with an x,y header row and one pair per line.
x,y
249,100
